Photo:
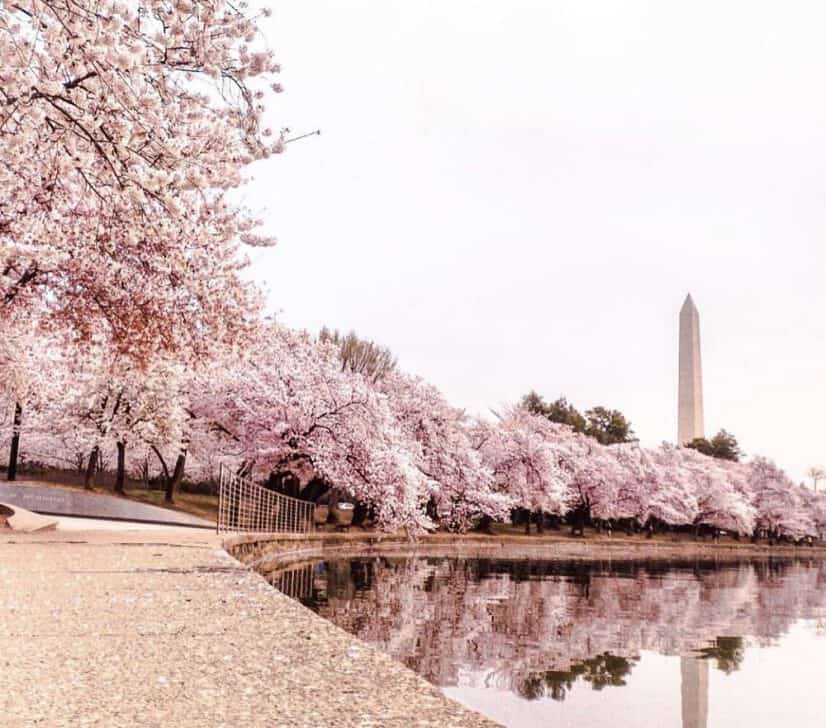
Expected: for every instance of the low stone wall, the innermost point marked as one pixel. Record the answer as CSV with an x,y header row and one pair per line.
x,y
280,550
268,553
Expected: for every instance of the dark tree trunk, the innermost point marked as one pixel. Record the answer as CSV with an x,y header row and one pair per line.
x,y
540,522
245,469
15,442
314,490
173,483
485,525
578,527
163,465
91,468
121,473
360,513
431,509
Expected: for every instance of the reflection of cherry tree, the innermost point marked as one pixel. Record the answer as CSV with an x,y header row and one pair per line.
x,y
728,652
600,671
534,627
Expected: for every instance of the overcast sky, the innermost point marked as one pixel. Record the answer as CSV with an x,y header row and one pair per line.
x,y
519,195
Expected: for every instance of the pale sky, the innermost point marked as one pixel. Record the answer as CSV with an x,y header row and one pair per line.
x,y
517,196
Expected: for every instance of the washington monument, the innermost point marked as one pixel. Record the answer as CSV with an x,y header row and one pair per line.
x,y
690,412
694,672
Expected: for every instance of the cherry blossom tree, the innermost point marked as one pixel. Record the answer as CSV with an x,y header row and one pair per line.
x,y
440,440
815,504
721,499
32,373
519,451
122,127
672,501
635,480
86,401
290,400
596,476
146,407
781,505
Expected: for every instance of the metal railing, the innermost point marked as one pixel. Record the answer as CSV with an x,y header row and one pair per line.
x,y
244,507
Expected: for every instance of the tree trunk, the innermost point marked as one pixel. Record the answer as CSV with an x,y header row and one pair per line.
x,y
91,468
360,513
177,476
121,474
579,521
485,525
314,490
15,442
163,465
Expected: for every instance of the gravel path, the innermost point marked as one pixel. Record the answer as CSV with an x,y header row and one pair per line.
x,y
164,628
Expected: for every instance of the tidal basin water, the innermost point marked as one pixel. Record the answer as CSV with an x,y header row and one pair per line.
x,y
541,643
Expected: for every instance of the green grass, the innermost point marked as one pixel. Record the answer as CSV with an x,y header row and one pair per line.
x,y
202,506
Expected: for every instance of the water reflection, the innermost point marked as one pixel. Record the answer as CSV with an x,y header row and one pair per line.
x,y
537,629
694,692
599,672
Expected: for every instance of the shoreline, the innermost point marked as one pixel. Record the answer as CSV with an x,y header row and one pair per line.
x,y
266,553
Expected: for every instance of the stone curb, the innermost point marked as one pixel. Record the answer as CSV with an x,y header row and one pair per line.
x,y
27,522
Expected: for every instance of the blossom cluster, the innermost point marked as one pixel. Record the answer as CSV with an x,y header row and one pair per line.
x,y
122,127
284,404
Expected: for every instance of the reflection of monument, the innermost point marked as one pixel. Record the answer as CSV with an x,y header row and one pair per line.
x,y
690,414
694,690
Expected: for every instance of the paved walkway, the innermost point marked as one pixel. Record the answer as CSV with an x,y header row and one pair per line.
x,y
70,523
163,628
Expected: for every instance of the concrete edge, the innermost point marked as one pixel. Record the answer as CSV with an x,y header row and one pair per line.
x,y
269,552
115,519
25,521
231,544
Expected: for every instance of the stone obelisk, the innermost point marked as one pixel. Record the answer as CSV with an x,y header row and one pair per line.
x,y
690,411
